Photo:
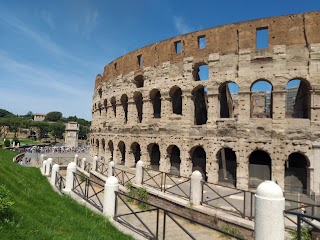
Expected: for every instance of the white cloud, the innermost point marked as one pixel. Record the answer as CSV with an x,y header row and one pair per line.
x,y
181,26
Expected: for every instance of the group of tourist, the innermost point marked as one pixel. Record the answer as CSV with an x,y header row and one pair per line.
x,y
62,149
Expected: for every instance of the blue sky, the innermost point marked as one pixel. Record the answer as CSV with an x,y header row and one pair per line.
x,y
51,51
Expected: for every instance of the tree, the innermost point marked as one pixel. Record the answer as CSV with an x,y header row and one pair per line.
x,y
53,116
5,113
57,130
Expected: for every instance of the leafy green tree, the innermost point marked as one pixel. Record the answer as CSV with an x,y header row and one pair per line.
x,y
57,130
29,115
53,116
5,113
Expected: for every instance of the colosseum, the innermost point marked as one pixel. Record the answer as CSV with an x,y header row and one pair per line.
x,y
239,102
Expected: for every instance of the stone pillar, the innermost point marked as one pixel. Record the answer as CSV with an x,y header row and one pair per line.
x,y
139,173
188,108
269,207
44,164
42,157
315,106
145,156
72,168
48,166
213,108
196,188
242,167
55,169
278,105
117,156
147,109
129,158
244,106
109,198
132,112
110,168
186,161
76,158
94,163
83,163
316,170
165,106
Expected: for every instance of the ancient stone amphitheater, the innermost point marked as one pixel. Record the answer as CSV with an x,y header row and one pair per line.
x,y
240,103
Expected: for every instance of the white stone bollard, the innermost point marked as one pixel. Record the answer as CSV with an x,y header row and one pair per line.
x,y
83,163
76,158
72,168
196,188
109,198
44,164
94,162
269,207
55,169
42,157
139,173
48,166
110,168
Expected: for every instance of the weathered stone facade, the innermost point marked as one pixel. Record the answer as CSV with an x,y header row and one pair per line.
x,y
144,105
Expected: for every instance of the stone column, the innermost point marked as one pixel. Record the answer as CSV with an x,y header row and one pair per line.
x,y
242,167
213,108
72,168
316,170
129,157
315,106
76,158
269,207
186,161
279,105
94,163
147,109
139,173
196,188
110,168
83,163
55,170
44,164
188,108
132,112
145,156
244,106
109,198
165,106
48,166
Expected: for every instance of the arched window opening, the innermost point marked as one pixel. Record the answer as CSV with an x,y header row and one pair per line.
x,y
139,81
114,106
201,72
103,148
154,153
175,161
136,151
259,168
155,97
100,108
227,161
199,161
105,104
176,99
200,101
110,146
97,147
228,97
139,104
298,99
122,149
261,99
124,103
296,173
100,92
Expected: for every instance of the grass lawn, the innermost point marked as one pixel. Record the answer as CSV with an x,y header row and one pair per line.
x,y
41,213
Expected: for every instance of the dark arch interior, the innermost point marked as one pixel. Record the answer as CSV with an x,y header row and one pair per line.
x,y
199,161
139,105
227,161
259,168
122,149
110,145
136,150
200,106
176,98
156,102
124,102
296,175
155,157
174,153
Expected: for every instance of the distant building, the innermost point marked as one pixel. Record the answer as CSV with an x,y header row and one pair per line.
x,y
72,133
39,117
291,100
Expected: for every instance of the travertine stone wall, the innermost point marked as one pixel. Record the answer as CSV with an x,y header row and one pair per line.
x,y
231,56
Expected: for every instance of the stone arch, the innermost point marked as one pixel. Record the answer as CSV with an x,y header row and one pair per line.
x,y
199,159
136,151
175,94
139,81
228,99
100,92
105,104
122,150
174,154
114,106
100,108
97,147
298,99
155,97
261,99
296,173
124,103
111,150
259,167
138,99
200,71
103,143
154,153
200,101
227,162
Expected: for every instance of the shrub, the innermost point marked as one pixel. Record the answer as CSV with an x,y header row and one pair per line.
x,y
139,193
7,143
305,233
16,140
5,201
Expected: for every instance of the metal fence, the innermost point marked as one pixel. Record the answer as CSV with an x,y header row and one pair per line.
x,y
168,183
79,162
123,176
102,168
154,222
87,166
89,190
60,182
62,160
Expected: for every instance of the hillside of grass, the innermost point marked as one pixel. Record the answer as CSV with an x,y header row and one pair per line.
x,y
41,213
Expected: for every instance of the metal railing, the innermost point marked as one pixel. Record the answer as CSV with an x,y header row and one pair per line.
x,y
102,168
229,199
303,220
60,182
89,190
123,176
63,160
168,183
79,162
164,224
87,166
